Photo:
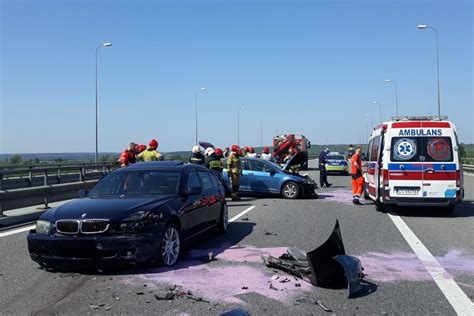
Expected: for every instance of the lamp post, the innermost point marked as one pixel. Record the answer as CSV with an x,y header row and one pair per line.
x,y
422,27
396,93
380,109
238,123
197,91
96,104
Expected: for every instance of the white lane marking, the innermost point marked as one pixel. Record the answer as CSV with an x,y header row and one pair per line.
x,y
236,217
453,293
16,231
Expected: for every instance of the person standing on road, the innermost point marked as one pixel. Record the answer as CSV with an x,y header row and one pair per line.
x,y
323,176
214,163
226,152
197,157
266,154
151,154
207,154
234,171
350,151
251,152
357,178
128,155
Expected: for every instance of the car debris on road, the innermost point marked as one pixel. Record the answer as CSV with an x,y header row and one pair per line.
x,y
176,292
326,266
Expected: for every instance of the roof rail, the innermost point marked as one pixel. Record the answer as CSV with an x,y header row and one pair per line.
x,y
419,118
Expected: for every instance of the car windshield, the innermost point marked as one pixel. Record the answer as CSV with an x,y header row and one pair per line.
x,y
336,157
137,183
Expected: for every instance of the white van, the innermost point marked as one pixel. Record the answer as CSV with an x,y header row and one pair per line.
x,y
414,161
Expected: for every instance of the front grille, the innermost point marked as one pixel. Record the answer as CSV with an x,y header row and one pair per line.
x,y
94,226
67,226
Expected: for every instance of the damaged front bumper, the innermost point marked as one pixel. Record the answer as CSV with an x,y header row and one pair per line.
x,y
326,266
76,250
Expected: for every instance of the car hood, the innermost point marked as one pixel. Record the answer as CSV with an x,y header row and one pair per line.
x,y
296,160
104,208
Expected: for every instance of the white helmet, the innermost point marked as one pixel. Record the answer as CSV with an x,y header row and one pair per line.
x,y
196,149
209,151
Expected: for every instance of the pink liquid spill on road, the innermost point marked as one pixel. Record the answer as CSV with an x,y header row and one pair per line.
x,y
405,266
238,270
237,253
339,196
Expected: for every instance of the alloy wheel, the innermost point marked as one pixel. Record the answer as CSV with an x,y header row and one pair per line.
x,y
170,246
290,190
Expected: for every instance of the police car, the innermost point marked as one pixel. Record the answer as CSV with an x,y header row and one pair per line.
x,y
336,163
414,161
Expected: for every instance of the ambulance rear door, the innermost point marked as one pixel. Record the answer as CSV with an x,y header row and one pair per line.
x,y
439,166
374,166
405,167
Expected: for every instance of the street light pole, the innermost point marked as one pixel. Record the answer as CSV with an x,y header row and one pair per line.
x,y
380,109
202,89
396,93
238,124
424,26
96,104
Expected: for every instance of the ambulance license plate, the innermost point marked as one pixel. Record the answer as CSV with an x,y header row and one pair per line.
x,y
407,191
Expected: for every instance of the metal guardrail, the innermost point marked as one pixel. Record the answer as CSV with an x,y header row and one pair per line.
x,y
468,168
49,173
67,179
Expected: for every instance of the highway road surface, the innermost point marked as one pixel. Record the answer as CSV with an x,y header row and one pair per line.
x,y
418,261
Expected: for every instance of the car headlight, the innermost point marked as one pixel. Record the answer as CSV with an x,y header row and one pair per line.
x,y
42,227
134,222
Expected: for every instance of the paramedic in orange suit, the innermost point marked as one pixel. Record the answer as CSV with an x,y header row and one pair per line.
x,y
357,178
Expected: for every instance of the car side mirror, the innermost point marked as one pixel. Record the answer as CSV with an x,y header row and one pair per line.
x,y
194,191
83,193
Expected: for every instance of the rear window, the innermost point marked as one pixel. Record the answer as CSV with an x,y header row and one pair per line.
x,y
421,149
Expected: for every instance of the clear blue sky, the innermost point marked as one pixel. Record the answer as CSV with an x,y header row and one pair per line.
x,y
310,67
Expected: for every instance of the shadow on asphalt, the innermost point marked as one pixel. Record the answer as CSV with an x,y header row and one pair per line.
x,y
464,209
367,289
336,187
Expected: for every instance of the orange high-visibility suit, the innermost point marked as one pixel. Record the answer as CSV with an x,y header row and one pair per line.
x,y
357,178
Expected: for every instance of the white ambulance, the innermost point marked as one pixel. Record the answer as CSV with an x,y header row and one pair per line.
x,y
414,161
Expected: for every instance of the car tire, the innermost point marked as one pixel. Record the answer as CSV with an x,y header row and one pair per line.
x,y
224,223
290,190
169,249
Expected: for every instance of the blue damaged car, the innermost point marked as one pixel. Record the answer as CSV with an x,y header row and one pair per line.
x,y
264,177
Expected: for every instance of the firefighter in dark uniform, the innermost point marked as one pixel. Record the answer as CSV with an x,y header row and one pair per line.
x,y
197,157
323,176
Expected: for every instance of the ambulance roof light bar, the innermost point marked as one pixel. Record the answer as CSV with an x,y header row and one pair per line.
x,y
419,118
